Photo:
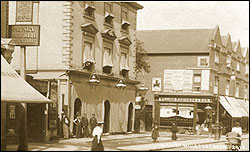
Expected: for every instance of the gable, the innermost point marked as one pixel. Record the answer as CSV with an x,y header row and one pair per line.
x,y
217,36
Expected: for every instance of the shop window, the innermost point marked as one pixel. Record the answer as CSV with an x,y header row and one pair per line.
x,y
108,13
203,61
197,82
217,57
227,87
237,90
12,111
124,65
88,59
89,9
107,60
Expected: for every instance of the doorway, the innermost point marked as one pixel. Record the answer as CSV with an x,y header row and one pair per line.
x,y
106,116
77,108
130,113
36,122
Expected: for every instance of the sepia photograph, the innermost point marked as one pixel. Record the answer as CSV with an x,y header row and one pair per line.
x,y
124,75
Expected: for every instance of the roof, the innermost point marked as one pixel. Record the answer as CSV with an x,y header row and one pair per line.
x,y
15,89
176,40
136,5
224,40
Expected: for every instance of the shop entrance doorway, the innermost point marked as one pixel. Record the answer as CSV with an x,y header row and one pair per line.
x,y
106,116
130,113
77,108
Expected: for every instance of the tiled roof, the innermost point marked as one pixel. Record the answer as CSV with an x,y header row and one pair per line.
x,y
176,40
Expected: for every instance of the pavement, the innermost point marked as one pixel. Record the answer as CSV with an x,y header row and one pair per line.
x,y
75,144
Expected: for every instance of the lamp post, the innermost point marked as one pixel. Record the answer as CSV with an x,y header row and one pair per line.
x,y
121,84
94,80
209,109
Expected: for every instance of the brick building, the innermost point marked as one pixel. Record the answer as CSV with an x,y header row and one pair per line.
x,y
79,40
188,68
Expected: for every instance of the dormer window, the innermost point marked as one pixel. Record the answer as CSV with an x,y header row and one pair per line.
x,y
89,9
108,13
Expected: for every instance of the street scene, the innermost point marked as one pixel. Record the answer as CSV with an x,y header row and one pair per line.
x,y
124,76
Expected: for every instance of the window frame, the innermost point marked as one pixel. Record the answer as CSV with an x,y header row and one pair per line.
x,y
199,61
197,84
217,57
227,88
237,90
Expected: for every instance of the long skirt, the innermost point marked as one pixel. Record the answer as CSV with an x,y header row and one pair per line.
x,y
97,146
78,131
155,134
65,131
174,137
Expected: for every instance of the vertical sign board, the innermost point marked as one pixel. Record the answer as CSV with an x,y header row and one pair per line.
x,y
205,80
24,11
156,83
25,35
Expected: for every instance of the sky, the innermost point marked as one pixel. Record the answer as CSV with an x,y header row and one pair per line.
x,y
231,16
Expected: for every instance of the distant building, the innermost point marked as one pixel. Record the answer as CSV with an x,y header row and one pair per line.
x,y
79,39
193,66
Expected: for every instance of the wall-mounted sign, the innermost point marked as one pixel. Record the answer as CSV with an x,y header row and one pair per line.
x,y
205,80
156,84
24,11
197,100
178,80
25,35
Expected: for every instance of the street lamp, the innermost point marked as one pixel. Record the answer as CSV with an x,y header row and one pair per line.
x,y
121,84
94,80
209,109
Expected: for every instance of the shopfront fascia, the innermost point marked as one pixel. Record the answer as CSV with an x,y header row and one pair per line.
x,y
185,109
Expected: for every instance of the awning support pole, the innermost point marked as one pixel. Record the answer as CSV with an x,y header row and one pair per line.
x,y
23,136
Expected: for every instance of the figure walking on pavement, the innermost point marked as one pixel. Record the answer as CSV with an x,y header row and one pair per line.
x,y
155,131
85,126
92,123
174,130
78,123
97,141
65,126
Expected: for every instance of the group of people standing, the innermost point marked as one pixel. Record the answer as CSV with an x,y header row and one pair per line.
x,y
155,131
82,125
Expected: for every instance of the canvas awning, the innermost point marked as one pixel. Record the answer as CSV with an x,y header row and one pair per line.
x,y
229,108
237,107
244,105
15,89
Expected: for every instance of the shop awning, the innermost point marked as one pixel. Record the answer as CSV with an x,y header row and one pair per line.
x,y
229,108
236,106
244,105
15,89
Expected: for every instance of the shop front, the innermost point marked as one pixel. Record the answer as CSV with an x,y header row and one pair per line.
x,y
14,92
187,110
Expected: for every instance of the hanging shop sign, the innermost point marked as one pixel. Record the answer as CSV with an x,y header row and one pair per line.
x,y
24,11
197,100
25,35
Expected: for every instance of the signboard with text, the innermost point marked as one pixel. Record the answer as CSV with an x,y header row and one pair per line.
x,y
25,35
24,11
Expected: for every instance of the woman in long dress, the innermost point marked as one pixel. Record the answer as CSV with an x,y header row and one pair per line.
x,y
155,131
174,130
97,141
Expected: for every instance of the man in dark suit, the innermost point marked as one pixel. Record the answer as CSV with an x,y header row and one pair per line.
x,y
92,124
85,126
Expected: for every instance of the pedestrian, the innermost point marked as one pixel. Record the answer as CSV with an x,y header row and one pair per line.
x,y
65,126
174,130
78,122
237,128
155,131
92,123
85,126
97,141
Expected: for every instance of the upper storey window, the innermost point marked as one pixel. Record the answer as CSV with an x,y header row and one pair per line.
x,y
125,22
89,9
108,12
203,61
229,60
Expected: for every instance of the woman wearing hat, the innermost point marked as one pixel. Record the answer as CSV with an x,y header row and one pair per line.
x,y
155,131
97,142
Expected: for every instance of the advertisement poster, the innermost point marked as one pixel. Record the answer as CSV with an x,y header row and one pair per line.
x,y
156,84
